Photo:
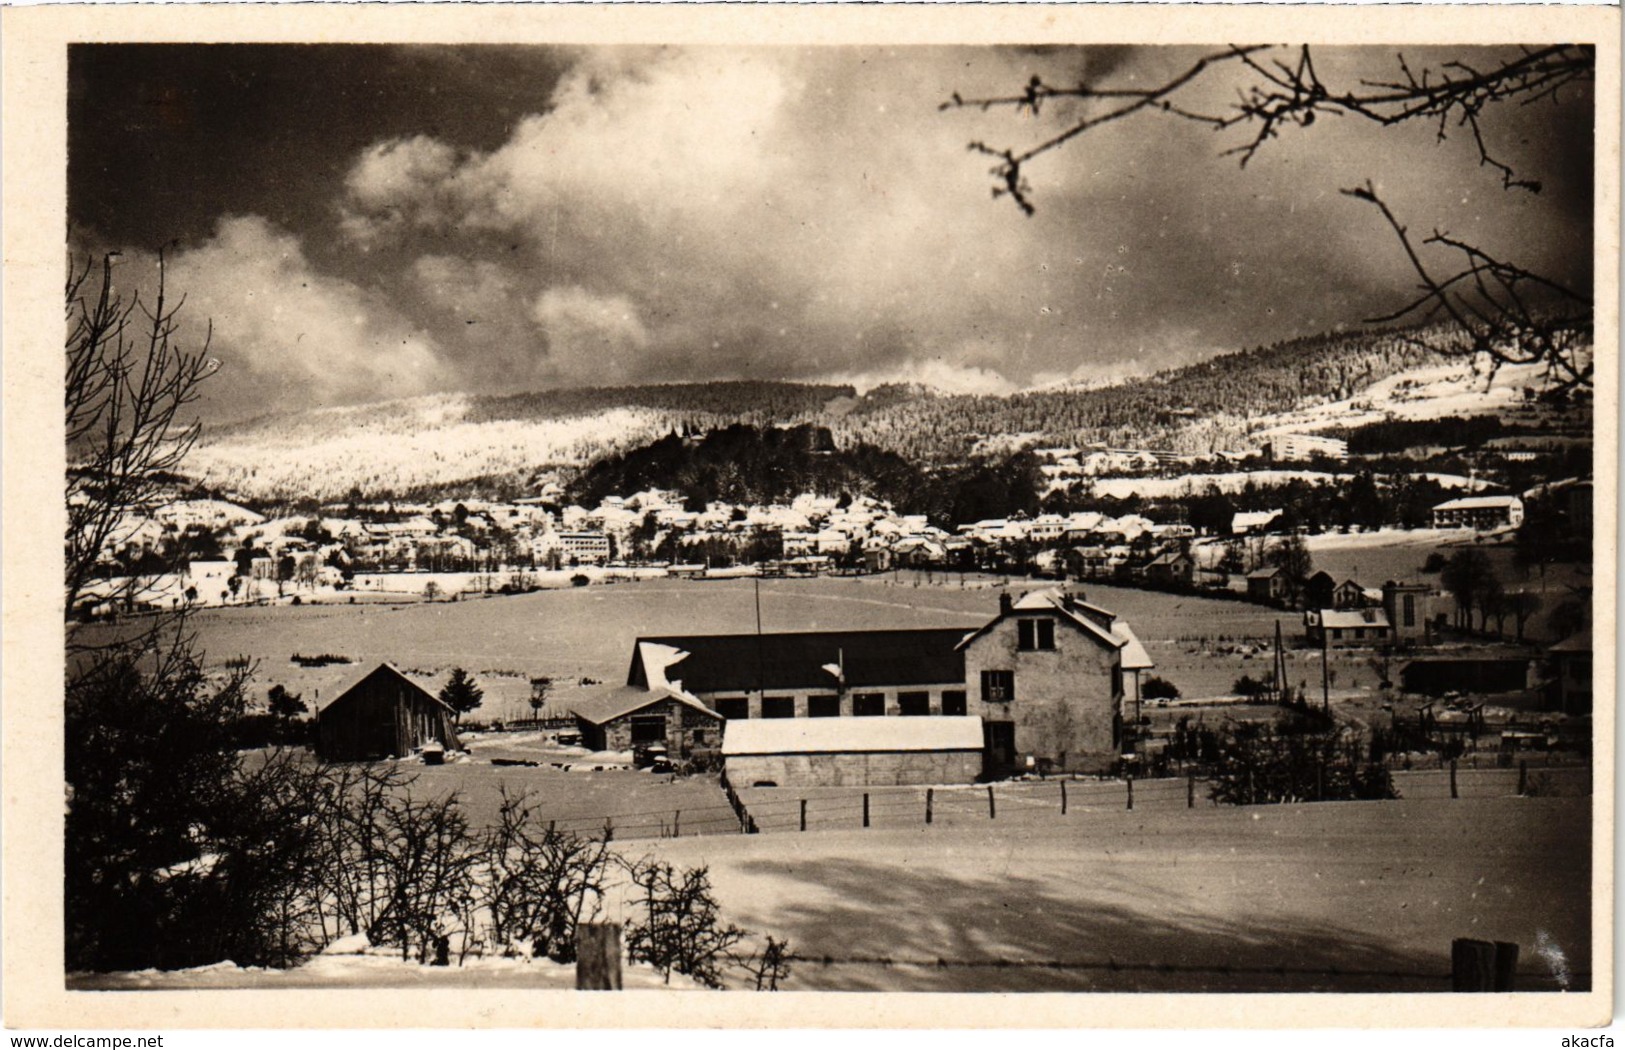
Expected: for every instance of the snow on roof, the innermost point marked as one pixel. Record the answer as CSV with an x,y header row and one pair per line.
x,y
1578,642
608,704
1480,503
1345,618
1250,518
804,736
1134,658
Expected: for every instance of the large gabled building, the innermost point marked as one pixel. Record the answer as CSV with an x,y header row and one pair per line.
x,y
1051,682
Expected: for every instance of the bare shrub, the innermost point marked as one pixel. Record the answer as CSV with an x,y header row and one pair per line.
x,y
680,929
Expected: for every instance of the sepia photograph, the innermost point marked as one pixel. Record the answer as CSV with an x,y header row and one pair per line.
x,y
1042,512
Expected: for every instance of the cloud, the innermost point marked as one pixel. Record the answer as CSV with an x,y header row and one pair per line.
x,y
591,338
934,373
286,335
689,214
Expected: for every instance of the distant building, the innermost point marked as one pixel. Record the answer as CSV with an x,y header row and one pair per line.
x,y
1479,512
1409,607
1346,628
584,548
1267,585
1253,522
1172,569
1319,591
1294,447
384,714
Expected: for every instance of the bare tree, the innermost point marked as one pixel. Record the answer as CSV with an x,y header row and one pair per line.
x,y
129,385
1508,313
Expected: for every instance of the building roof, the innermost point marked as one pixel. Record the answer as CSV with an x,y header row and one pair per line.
x,y
803,736
1264,574
612,702
1102,625
1480,503
713,663
385,668
1346,618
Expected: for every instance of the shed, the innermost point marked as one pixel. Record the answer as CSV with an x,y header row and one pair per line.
x,y
383,714
827,752
622,717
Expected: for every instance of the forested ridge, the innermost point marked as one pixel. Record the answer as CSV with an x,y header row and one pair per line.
x,y
502,442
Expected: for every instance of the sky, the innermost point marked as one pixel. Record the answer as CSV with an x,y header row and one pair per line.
x,y
358,223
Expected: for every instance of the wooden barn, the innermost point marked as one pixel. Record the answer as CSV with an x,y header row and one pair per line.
x,y
383,715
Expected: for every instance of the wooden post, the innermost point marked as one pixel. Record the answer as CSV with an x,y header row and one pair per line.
x,y
1190,792
677,824
1453,779
598,956
1131,791
1063,798
992,809
930,794
866,809
1523,776
1482,966
803,814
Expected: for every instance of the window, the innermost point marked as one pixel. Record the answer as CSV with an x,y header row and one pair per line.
x,y
823,707
868,705
648,729
734,707
953,701
1359,632
914,703
778,707
1410,610
1035,634
998,687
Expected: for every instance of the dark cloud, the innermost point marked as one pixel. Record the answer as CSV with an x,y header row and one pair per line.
x,y
499,219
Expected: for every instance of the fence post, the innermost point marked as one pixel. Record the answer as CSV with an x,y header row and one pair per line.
x,y
992,809
1131,791
1453,779
677,824
866,809
1523,776
1482,966
803,814
929,797
1063,798
598,956
1190,792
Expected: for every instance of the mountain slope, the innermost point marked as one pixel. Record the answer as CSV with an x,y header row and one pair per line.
x,y
501,443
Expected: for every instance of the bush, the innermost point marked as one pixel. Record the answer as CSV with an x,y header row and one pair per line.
x,y
680,929
1249,687
177,852
579,580
1264,764
1155,688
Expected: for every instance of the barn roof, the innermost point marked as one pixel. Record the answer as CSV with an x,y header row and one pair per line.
x,y
804,736
385,668
608,704
711,663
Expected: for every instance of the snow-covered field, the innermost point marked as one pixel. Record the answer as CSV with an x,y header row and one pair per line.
x,y
1209,899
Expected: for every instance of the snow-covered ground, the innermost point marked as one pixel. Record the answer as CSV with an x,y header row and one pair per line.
x,y
348,964
1460,388
1236,481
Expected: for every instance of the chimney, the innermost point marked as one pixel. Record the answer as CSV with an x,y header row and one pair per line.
x,y
1004,603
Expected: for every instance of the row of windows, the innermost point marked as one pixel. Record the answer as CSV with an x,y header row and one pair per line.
x,y
864,705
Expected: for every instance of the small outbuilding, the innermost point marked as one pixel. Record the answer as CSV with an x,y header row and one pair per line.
x,y
831,752
383,715
624,717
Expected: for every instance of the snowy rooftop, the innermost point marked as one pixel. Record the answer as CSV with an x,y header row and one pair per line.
x,y
802,736
1480,503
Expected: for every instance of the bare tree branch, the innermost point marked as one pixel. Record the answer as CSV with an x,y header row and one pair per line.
x,y
128,386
